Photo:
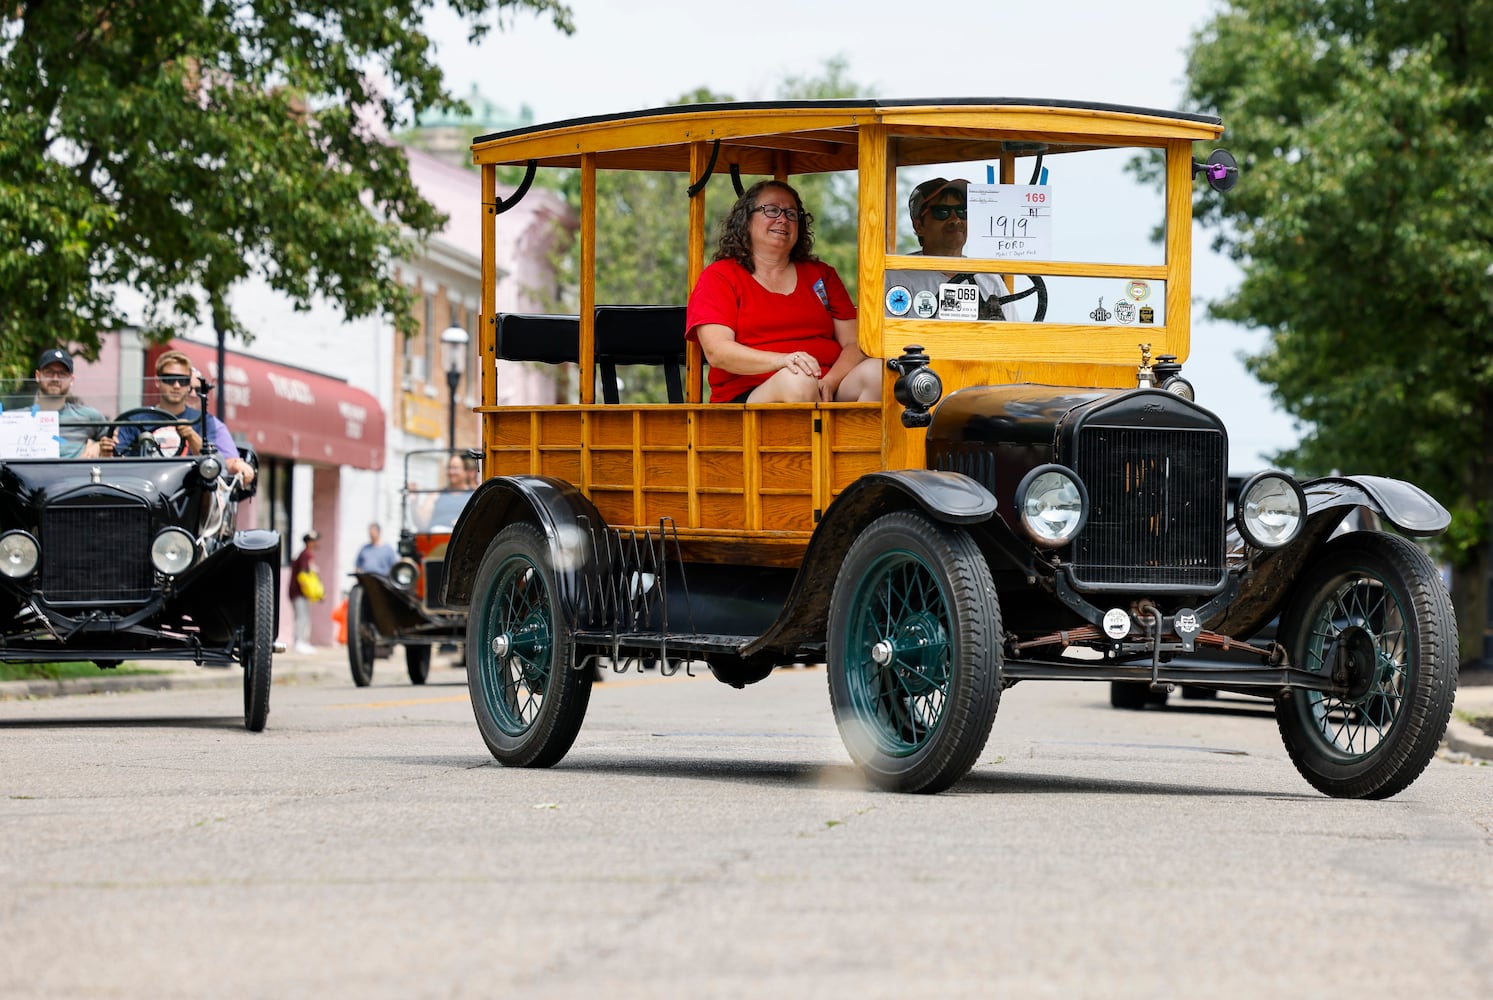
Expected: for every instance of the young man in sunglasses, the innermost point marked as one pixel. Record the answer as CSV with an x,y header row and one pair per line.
x,y
939,212
177,381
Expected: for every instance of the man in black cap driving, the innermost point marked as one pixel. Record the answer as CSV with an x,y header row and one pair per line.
x,y
82,432
939,211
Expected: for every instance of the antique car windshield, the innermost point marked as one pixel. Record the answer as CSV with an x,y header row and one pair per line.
x,y
1075,215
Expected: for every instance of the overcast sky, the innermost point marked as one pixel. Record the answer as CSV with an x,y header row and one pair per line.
x,y
632,54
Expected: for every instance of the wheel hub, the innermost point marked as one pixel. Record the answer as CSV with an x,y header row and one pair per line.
x,y
917,645
1356,664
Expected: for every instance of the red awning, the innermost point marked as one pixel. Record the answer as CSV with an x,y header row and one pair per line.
x,y
289,412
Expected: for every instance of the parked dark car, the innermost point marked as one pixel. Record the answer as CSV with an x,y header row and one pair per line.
x,y
136,557
404,606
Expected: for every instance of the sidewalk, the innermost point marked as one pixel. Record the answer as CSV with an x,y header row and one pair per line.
x,y
329,663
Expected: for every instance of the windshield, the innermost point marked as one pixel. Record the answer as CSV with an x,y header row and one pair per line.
x,y
438,484
1019,203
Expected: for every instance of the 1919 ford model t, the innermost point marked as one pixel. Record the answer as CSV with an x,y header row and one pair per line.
x,y
1034,498
131,557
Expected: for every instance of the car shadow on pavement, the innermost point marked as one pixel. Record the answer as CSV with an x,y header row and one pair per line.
x,y
984,780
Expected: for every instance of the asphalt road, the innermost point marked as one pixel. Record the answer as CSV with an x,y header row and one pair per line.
x,y
706,842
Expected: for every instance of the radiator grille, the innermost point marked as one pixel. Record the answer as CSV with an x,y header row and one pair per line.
x,y
95,554
1156,506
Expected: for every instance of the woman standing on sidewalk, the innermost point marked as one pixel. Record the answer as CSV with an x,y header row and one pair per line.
x,y
305,587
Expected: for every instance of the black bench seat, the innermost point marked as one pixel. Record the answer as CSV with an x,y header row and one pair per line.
x,y
625,335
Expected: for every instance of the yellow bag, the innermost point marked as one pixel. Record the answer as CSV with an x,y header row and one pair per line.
x,y
310,584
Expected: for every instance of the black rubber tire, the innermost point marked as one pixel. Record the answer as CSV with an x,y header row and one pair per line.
x,y
417,662
1373,606
528,701
914,653
1135,695
258,653
362,643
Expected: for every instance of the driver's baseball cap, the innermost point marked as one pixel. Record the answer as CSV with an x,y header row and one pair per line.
x,y
54,355
930,190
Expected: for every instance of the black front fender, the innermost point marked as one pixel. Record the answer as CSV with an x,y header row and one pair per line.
x,y
1409,508
571,522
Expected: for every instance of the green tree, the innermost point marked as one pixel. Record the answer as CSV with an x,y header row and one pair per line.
x,y
1364,226
175,147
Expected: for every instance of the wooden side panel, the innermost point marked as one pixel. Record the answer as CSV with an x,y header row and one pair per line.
x,y
717,472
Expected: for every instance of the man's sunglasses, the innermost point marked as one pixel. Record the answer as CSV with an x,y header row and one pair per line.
x,y
174,379
941,212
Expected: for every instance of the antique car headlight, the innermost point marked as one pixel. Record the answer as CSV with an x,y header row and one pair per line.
x,y
209,467
1270,511
404,574
18,554
1053,505
173,551
1179,386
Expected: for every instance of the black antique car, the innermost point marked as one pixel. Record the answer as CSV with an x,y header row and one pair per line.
x,y
1038,495
135,557
404,605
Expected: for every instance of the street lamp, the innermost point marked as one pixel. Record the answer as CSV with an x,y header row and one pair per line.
x,y
454,341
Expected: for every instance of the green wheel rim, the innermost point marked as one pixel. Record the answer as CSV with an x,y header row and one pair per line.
x,y
1359,635
516,656
898,659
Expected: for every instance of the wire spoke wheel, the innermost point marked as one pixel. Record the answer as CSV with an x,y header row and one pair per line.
x,y
914,653
1373,617
528,700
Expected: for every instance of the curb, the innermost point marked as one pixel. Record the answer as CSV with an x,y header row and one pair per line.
x,y
1464,737
115,684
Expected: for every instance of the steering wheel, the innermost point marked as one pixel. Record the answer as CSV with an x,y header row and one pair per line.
x,y
1039,287
144,445
991,307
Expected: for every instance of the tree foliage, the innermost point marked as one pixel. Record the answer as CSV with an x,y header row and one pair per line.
x,y
175,147
1363,226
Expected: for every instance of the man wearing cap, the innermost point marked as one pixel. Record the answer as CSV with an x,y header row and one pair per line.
x,y
939,212
82,430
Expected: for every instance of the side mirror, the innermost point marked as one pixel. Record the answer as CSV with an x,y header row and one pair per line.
x,y
1221,169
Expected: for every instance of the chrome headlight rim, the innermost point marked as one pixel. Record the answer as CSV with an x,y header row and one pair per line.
x,y
404,573
1049,480
20,553
173,551
209,467
1254,491
1179,386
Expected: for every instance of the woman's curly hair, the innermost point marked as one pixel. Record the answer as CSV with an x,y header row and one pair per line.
x,y
736,236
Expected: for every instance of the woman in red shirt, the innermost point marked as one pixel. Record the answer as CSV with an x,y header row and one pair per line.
x,y
774,321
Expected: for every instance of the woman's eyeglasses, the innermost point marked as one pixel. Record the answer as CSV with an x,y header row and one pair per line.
x,y
174,379
773,211
941,212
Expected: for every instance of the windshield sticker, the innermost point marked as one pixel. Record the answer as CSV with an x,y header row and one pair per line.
x,y
33,434
960,301
898,300
1010,221
1147,314
1140,291
1124,311
1101,314
925,305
